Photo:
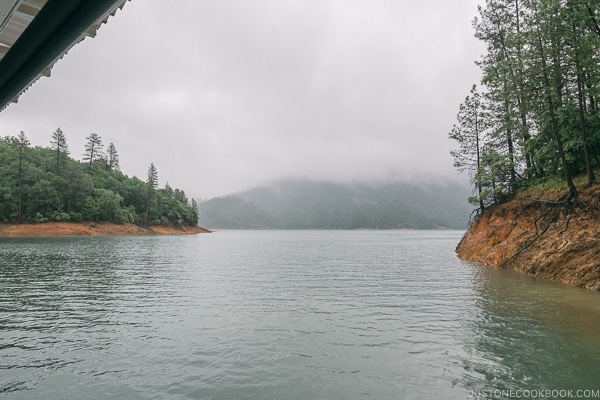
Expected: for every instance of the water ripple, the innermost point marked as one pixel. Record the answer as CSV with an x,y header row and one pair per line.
x,y
294,315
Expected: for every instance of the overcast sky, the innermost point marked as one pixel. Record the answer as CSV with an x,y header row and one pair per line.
x,y
225,95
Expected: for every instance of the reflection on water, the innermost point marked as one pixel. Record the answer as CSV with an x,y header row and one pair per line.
x,y
532,334
295,315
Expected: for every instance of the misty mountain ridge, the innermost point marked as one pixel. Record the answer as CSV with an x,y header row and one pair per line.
x,y
304,204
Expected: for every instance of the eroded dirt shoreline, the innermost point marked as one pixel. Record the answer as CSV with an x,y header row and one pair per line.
x,y
92,229
539,235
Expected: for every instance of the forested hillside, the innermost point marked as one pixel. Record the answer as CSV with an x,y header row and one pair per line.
x,y
301,204
536,113
39,184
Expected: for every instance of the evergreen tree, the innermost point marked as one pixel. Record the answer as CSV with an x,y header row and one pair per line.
x,y
22,146
180,196
93,149
31,191
59,145
548,47
113,158
169,190
152,179
469,135
541,84
500,26
581,53
152,184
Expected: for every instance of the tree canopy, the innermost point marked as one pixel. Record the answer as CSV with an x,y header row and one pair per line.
x,y
39,184
537,107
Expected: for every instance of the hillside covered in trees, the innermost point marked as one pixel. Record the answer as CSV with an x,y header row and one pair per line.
x,y
303,204
40,184
529,137
536,114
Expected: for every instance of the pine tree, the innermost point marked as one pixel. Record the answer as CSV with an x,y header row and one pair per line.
x,y
113,158
152,180
152,184
93,149
469,135
581,52
59,145
549,48
23,144
501,26
180,196
169,190
541,85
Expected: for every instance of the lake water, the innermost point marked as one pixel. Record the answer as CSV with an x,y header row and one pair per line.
x,y
284,315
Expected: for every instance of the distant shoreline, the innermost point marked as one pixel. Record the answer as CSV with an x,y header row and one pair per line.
x,y
336,229
92,229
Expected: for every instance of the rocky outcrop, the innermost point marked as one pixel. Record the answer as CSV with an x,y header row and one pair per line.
x,y
538,234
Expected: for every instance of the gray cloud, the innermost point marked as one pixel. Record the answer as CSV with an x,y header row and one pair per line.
x,y
224,95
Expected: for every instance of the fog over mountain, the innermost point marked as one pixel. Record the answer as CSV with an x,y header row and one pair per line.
x,y
305,204
225,95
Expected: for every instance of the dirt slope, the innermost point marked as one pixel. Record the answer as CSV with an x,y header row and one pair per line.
x,y
92,229
539,235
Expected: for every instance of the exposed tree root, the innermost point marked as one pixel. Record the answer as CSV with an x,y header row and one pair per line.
x,y
472,218
530,241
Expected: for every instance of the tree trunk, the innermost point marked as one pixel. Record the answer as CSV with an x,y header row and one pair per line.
x,y
554,126
20,191
582,122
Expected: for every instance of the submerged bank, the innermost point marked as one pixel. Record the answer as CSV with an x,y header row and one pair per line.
x,y
92,229
538,234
